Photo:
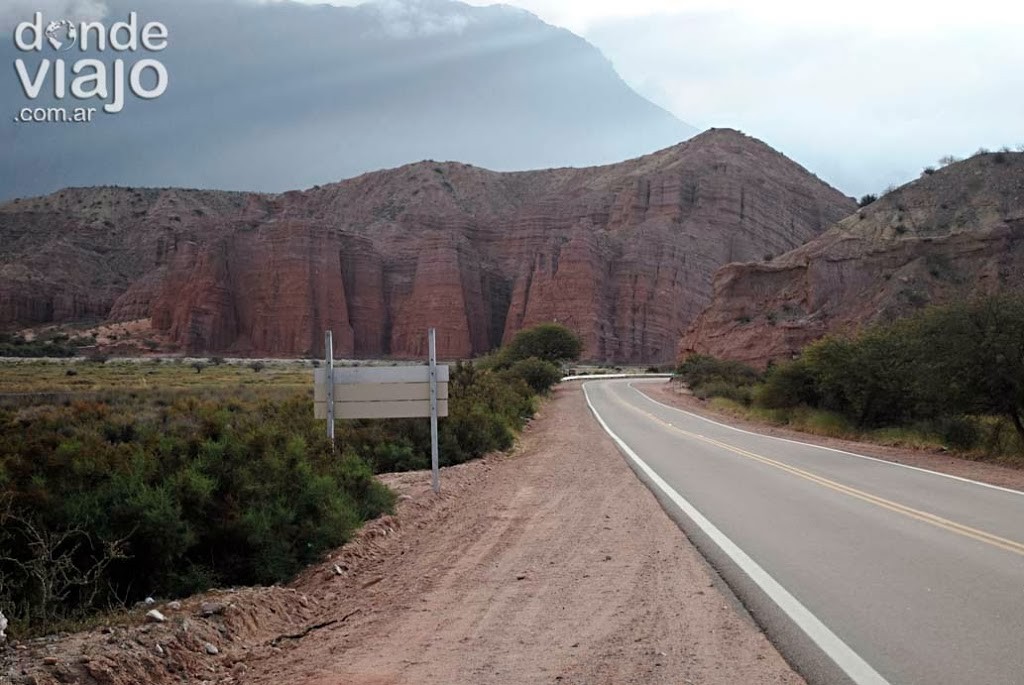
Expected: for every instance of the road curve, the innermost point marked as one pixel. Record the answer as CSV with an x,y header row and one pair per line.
x,y
861,570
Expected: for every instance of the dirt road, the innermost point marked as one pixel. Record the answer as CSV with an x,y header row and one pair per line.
x,y
552,565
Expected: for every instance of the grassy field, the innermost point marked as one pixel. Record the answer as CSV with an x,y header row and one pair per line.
x,y
67,376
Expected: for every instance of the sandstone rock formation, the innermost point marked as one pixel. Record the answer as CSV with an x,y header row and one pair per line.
x,y
955,233
623,254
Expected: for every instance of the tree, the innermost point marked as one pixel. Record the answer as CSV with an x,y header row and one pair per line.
x,y
869,379
975,357
550,342
867,200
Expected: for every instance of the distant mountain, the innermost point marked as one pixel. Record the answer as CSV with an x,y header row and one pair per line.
x,y
951,235
623,254
278,95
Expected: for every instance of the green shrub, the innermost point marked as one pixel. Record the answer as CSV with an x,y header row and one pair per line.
x,y
787,385
946,369
392,457
486,409
16,346
550,342
167,496
727,406
819,422
958,432
698,370
540,375
718,388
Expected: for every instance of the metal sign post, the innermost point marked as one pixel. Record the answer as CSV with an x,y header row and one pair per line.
x,y
329,344
435,472
373,392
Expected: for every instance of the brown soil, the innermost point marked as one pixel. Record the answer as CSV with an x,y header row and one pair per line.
x,y
994,474
554,564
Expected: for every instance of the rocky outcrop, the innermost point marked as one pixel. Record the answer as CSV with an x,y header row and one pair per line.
x,y
953,234
623,254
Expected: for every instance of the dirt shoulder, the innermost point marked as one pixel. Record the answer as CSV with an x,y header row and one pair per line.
x,y
993,474
554,564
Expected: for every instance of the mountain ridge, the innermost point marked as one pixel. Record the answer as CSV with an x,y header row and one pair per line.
x,y
955,233
621,253
345,90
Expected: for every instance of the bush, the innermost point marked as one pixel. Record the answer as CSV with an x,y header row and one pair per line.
x,y
550,342
16,346
959,432
788,385
168,496
818,422
866,200
946,367
870,379
698,370
718,388
540,375
486,409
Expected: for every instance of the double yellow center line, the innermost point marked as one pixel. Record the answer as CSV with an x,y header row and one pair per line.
x,y
916,514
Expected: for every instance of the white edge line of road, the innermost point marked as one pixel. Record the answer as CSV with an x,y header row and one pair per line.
x,y
830,449
858,670
614,376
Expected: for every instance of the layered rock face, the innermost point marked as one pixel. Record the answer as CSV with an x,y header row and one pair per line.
x,y
623,254
954,234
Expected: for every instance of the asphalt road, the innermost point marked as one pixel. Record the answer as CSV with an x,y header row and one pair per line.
x,y
860,570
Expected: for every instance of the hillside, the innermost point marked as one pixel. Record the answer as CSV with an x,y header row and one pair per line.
x,y
623,254
952,234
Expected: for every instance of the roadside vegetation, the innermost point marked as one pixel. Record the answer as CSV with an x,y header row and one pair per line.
x,y
123,480
55,345
950,377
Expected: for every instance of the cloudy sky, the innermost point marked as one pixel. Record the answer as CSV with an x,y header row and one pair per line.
x,y
863,93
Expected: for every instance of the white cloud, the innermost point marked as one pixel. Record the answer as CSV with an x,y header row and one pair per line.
x,y
407,18
914,16
862,104
13,12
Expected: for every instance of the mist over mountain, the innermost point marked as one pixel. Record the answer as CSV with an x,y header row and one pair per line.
x,y
282,95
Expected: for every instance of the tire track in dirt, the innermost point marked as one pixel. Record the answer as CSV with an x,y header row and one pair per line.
x,y
554,564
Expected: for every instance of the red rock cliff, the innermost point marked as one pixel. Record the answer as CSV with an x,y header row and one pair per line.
x,y
623,254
